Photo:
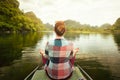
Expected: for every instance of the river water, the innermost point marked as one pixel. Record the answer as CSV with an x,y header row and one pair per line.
x,y
99,54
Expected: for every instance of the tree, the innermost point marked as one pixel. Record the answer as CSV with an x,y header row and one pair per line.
x,y
116,25
13,19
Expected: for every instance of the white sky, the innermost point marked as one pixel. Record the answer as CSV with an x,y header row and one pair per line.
x,y
93,12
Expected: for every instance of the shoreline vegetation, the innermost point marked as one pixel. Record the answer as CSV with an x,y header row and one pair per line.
x,y
14,20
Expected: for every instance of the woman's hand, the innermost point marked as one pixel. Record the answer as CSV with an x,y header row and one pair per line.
x,y
41,52
75,51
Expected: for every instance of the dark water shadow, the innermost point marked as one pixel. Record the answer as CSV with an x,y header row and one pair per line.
x,y
95,69
15,64
117,40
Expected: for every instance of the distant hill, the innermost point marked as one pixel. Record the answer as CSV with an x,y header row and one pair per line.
x,y
72,25
49,26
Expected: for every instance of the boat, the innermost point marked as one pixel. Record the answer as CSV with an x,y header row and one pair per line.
x,y
40,74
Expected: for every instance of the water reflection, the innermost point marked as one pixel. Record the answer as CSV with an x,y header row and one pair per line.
x,y
117,40
100,66
71,36
95,69
17,55
11,46
98,54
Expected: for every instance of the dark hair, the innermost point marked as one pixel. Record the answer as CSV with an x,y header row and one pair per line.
x,y
59,28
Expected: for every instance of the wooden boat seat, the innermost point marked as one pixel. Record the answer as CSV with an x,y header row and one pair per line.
x,y
41,75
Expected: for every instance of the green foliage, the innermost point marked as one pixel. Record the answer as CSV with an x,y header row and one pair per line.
x,y
116,25
115,28
35,21
105,27
13,19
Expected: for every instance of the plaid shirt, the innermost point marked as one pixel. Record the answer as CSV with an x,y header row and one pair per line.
x,y
59,52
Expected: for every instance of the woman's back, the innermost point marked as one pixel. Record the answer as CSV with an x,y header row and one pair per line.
x,y
59,52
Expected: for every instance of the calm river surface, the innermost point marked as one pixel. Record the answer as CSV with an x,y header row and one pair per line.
x,y
99,54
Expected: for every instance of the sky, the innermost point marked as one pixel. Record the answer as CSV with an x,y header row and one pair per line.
x,y
93,12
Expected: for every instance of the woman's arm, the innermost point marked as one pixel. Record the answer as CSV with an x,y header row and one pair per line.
x,y
42,52
73,52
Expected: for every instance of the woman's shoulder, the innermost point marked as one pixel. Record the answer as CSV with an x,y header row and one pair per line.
x,y
50,42
67,42
63,42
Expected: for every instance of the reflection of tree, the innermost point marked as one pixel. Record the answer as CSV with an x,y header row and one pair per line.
x,y
105,35
75,35
12,44
117,40
71,35
48,34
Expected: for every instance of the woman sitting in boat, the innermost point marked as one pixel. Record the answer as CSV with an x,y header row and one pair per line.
x,y
59,55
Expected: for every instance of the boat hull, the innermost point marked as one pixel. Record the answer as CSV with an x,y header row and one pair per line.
x,y
41,75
